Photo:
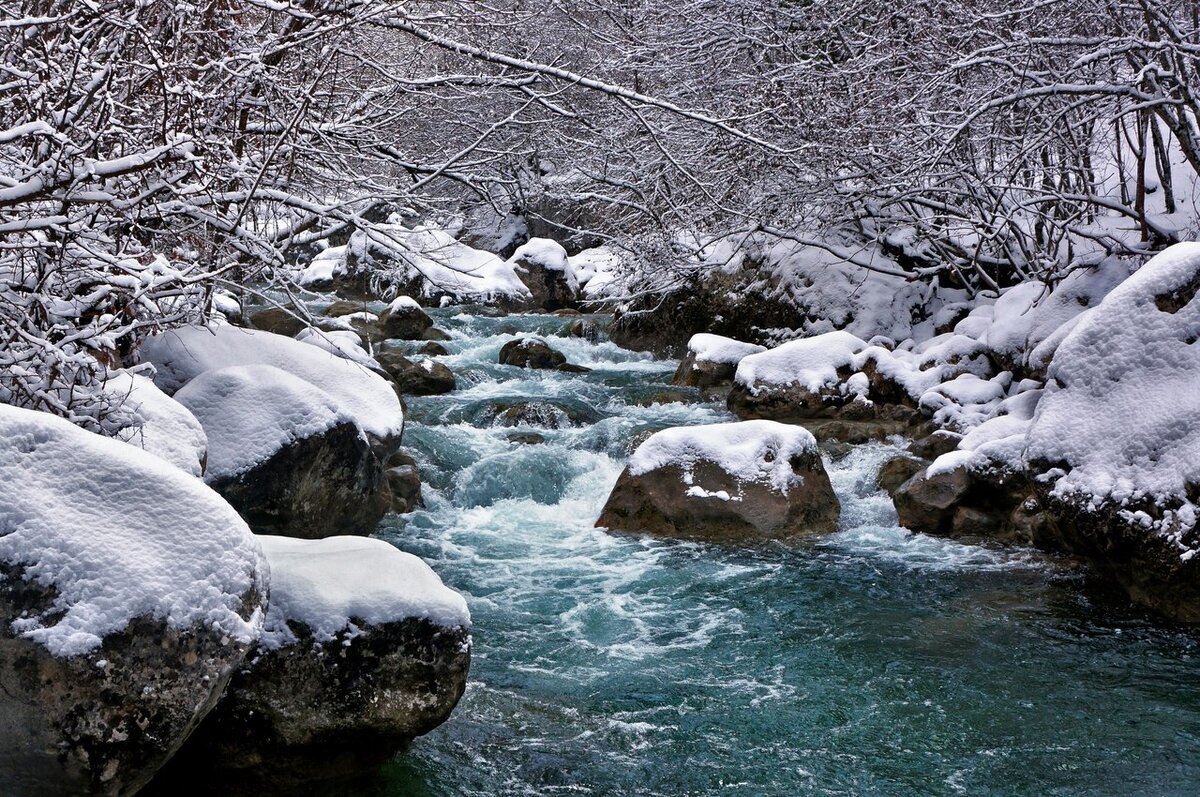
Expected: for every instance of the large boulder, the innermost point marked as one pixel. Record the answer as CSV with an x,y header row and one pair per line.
x,y
712,360
284,320
1115,443
365,397
423,377
129,593
739,482
285,455
543,265
364,650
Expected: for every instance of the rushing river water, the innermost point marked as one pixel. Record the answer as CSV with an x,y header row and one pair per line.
x,y
873,662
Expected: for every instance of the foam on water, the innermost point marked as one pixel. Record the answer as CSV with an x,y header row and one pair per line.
x,y
873,661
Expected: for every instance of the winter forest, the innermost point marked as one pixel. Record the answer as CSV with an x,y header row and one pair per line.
x,y
739,397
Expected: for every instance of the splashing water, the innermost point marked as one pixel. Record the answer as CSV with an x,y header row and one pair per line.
x,y
872,662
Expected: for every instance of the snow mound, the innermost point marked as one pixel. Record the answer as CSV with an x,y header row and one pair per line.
x,y
119,534
337,583
360,394
752,451
812,363
345,343
1120,418
710,348
324,268
252,411
168,429
436,264
597,271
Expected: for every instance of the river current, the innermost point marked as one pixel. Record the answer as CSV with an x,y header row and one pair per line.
x,y
871,662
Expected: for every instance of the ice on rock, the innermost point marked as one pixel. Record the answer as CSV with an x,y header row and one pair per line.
x,y
119,534
333,584
358,393
252,411
751,451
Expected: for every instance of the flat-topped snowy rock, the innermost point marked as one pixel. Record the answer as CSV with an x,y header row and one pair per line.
x,y
712,360
183,354
734,482
365,649
285,453
129,591
1117,433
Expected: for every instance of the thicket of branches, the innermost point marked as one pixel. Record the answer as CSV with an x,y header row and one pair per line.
x,y
154,151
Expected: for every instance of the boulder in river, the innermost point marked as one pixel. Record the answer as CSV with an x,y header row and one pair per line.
x,y
423,377
711,360
129,593
284,454
734,482
403,320
532,352
364,649
542,413
543,265
284,321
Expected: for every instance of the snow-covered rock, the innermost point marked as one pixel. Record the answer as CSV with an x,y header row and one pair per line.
x,y
364,650
544,267
286,454
403,319
736,481
342,342
712,360
168,430
1116,436
363,396
129,592
323,272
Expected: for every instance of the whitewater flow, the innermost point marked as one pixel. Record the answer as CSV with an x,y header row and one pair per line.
x,y
872,661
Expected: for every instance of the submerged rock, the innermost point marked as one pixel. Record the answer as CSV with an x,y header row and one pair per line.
x,y
546,414
364,650
737,482
129,593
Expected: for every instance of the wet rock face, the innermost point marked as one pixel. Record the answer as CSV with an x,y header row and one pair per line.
x,y
326,484
717,506
532,353
702,374
315,710
417,377
994,507
102,723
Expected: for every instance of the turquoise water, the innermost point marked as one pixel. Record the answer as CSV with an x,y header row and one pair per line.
x,y
873,662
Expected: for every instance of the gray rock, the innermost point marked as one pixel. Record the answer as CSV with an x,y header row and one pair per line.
x,y
405,322
417,377
531,352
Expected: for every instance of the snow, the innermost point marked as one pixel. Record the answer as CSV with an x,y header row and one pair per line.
x,y
325,267
252,411
548,254
1121,411
596,271
751,451
809,362
119,534
168,430
440,264
710,348
401,303
358,393
337,583
344,343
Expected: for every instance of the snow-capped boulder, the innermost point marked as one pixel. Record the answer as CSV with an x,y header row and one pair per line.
x,y
712,360
342,342
747,481
285,453
403,319
129,592
364,649
1116,437
543,265
363,396
167,430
